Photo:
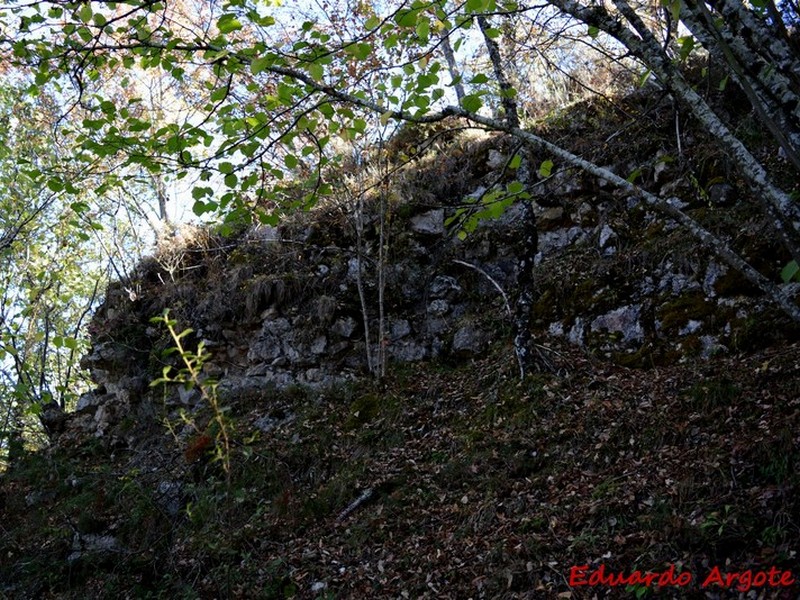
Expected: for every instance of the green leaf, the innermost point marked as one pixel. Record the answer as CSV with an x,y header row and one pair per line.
x,y
472,103
634,176
55,185
390,41
515,162
228,23
94,124
791,271
407,17
359,51
594,31
262,63
372,22
231,180
199,208
508,93
71,343
675,5
108,107
316,71
687,45
219,94
479,78
546,168
85,34
85,13
423,30
201,192
290,160
515,187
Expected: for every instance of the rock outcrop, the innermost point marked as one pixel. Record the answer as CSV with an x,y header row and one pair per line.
x,y
289,306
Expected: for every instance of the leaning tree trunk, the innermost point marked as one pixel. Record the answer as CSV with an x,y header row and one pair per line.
x,y
641,42
772,89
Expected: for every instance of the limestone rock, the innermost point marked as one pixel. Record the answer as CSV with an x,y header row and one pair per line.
x,y
444,286
438,307
624,320
102,547
399,328
429,223
344,327
469,340
408,351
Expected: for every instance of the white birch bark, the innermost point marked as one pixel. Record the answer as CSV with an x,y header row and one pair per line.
x,y
774,95
784,213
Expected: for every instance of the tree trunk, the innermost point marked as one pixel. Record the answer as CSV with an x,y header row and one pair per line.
x,y
522,309
449,56
778,205
507,91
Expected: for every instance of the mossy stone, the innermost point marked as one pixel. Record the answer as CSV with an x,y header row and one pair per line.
x,y
678,312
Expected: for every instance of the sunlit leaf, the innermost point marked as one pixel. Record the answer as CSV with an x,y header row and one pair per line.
x,y
260,64
472,103
316,71
515,187
85,12
407,17
423,30
228,23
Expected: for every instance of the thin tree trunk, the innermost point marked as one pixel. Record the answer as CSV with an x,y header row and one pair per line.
x,y
359,280
449,56
522,309
507,91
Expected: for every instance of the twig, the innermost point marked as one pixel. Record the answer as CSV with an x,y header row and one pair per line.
x,y
365,497
491,280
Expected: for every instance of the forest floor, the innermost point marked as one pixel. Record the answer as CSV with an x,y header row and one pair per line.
x,y
443,481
